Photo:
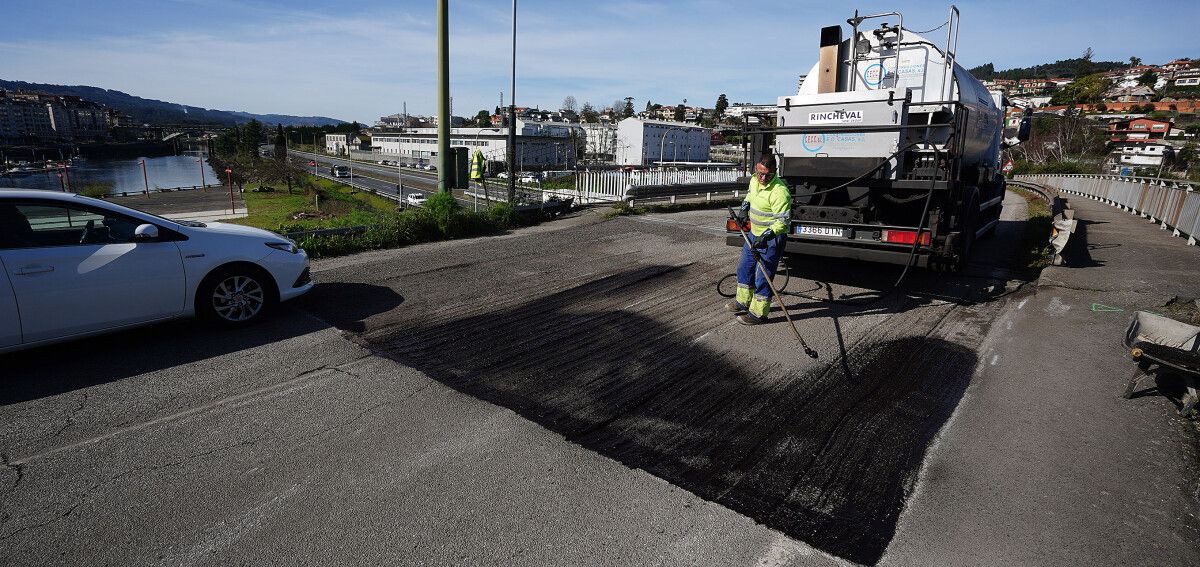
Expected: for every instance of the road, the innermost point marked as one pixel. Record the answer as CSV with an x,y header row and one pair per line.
x,y
570,393
383,178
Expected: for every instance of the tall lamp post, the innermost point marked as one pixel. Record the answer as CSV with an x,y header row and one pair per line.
x,y
443,79
203,182
512,115
662,142
145,178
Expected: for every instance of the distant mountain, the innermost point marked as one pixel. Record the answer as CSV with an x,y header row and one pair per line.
x,y
1063,68
149,111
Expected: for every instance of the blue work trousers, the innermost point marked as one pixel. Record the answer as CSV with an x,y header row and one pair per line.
x,y
750,277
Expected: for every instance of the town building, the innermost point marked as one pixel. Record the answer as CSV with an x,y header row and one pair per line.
x,y
336,143
418,147
601,144
1137,130
1126,158
647,142
36,116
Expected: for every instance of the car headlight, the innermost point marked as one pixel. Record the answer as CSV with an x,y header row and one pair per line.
x,y
289,246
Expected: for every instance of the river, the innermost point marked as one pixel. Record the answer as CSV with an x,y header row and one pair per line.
x,y
124,174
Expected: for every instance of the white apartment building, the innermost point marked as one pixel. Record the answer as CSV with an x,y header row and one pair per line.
x,y
418,146
335,143
1138,155
648,142
601,142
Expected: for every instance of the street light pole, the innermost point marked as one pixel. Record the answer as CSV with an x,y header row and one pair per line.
x,y
145,178
512,115
203,183
662,142
443,76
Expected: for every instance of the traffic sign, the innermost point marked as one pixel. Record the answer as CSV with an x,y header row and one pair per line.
x,y
1008,166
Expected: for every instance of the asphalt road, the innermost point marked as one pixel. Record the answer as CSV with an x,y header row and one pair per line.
x,y
570,393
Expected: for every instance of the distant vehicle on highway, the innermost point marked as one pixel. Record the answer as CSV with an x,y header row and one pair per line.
x,y
502,175
416,199
339,171
430,167
74,266
529,178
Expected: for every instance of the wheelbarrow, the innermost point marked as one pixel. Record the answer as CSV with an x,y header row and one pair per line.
x,y
1161,344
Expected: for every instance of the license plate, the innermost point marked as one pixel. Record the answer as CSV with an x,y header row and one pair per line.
x,y
827,231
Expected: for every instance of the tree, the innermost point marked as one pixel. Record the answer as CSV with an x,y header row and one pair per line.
x,y
722,104
1086,89
280,143
589,113
648,105
249,136
628,108
679,113
483,119
1135,61
569,103
1149,78
1083,66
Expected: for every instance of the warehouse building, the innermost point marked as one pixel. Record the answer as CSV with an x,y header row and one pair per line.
x,y
418,146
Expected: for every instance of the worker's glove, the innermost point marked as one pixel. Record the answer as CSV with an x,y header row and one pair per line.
x,y
744,211
764,239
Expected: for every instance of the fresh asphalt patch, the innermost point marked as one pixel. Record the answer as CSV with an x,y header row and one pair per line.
x,y
618,365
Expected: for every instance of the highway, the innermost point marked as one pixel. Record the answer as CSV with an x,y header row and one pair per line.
x,y
383,178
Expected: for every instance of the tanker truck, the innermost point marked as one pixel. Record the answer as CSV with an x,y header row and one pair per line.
x,y
891,149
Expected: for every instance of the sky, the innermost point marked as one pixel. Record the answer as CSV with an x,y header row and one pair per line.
x,y
364,59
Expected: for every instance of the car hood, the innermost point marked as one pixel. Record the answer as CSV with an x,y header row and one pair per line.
x,y
238,230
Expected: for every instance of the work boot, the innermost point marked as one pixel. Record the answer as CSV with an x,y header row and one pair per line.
x,y
748,319
735,307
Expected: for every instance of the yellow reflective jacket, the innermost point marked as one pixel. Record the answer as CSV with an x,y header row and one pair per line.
x,y
770,206
478,164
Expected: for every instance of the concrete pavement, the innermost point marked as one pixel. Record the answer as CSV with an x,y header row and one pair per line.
x,y
1044,463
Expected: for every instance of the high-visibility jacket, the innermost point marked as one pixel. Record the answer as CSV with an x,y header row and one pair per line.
x,y
770,206
478,164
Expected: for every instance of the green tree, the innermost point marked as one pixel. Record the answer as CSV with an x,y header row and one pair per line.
x,y
250,135
483,119
1148,79
628,110
280,143
679,113
589,113
1083,65
722,104
1135,61
1085,89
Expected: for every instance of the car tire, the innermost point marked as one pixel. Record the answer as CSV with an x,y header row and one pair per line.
x,y
236,296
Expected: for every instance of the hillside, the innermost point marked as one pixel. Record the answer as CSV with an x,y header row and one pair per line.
x,y
1063,68
149,111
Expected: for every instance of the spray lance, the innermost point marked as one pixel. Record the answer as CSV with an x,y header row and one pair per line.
x,y
774,292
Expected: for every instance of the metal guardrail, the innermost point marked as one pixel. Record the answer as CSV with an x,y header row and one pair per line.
x,y
1172,203
644,192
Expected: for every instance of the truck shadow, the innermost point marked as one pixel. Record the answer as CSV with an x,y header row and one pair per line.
x,y
820,458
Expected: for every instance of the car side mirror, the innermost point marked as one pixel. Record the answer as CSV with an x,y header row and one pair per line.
x,y
1023,129
145,232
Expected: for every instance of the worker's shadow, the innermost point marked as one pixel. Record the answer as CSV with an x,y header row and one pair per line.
x,y
621,369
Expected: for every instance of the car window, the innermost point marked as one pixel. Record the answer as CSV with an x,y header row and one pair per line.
x,y
25,225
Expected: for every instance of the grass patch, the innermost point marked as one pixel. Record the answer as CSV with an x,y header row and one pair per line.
x,y
1035,243
624,210
329,204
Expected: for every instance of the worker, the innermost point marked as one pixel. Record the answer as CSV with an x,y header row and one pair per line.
x,y
478,165
768,207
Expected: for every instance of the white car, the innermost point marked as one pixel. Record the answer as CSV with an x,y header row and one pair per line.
x,y
72,266
415,199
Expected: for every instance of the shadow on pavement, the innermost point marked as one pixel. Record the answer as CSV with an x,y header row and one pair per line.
x,y
1078,252
64,367
821,458
347,305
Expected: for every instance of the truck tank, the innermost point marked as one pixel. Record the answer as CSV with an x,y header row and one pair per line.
x,y
887,142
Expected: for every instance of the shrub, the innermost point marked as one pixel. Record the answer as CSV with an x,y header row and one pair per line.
x,y
97,189
503,215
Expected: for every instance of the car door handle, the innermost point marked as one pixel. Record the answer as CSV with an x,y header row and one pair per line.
x,y
30,270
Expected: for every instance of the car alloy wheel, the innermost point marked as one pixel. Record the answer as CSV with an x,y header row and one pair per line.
x,y
238,298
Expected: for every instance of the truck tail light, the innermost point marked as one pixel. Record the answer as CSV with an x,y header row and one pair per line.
x,y
905,237
732,225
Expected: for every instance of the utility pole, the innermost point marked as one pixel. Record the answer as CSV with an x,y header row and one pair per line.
x,y
443,73
512,116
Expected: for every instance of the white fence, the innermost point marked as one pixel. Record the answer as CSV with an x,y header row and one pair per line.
x,y
591,186
1174,204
